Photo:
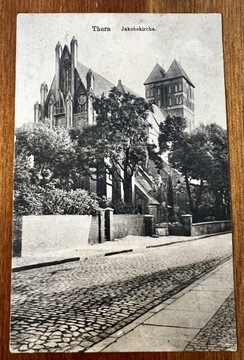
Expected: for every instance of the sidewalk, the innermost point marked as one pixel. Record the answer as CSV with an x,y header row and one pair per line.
x,y
172,325
128,244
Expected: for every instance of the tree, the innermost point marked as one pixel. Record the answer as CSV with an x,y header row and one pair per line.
x,y
52,153
27,195
45,173
201,157
170,132
218,174
118,141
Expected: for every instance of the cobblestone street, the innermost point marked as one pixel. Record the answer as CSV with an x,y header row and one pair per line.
x,y
72,306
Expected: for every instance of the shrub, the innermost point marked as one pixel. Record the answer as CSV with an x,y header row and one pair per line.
x,y
77,202
55,201
28,201
176,228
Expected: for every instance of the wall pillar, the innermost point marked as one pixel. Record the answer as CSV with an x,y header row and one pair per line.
x,y
109,212
17,236
187,224
101,226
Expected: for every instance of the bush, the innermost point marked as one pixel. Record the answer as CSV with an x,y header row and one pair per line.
x,y
121,208
55,201
176,228
77,202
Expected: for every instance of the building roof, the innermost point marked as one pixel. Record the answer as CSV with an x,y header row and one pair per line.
x,y
140,184
157,74
124,89
176,71
163,112
101,85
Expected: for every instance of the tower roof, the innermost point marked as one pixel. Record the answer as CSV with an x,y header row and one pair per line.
x,y
157,74
176,71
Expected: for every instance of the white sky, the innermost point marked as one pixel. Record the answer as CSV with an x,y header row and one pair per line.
x,y
193,39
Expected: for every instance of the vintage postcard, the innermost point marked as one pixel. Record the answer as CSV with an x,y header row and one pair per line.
x,y
121,228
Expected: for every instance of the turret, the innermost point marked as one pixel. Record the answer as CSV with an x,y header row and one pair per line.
x,y
36,112
90,81
43,95
74,58
90,99
58,52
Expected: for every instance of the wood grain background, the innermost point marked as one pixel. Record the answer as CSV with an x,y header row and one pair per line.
x,y
233,36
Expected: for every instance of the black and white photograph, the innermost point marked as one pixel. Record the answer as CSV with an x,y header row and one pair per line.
x,y
122,236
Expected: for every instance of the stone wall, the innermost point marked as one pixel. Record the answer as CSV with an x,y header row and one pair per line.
x,y
127,224
210,227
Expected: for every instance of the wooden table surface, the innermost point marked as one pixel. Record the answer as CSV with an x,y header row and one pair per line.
x,y
233,37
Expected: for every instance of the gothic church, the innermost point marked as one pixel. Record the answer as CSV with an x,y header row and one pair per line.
x,y
69,103
69,100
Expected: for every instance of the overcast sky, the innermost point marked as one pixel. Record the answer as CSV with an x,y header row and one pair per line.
x,y
195,40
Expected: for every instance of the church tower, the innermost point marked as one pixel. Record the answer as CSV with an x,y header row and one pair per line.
x,y
172,91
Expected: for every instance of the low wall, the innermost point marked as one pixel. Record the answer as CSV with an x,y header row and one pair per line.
x,y
210,227
94,231
128,224
58,235
51,234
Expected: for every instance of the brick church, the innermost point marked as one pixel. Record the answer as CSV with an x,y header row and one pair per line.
x,y
69,103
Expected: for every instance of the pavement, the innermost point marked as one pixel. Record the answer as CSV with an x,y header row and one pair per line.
x,y
180,323
128,244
